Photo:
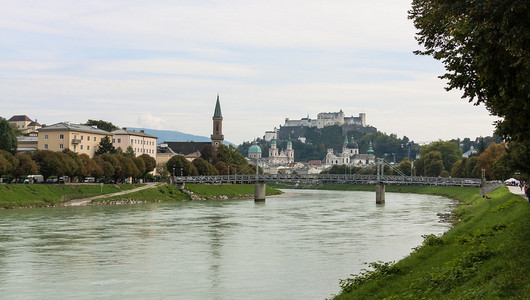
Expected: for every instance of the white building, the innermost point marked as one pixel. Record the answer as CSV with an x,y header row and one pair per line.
x,y
328,119
283,157
350,155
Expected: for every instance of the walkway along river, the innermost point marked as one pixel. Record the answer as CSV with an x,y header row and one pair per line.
x,y
296,246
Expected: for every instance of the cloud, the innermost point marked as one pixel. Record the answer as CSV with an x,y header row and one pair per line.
x,y
147,120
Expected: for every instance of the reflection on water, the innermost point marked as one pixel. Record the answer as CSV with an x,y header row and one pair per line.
x,y
296,246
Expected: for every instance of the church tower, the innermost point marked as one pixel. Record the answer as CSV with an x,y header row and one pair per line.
x,y
217,135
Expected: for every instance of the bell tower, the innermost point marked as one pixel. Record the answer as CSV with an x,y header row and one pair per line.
x,y
217,136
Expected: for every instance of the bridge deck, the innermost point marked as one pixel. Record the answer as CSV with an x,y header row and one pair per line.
x,y
329,179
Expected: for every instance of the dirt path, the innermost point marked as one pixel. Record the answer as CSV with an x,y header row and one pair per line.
x,y
86,201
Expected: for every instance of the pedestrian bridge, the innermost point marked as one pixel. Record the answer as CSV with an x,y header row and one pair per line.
x,y
329,179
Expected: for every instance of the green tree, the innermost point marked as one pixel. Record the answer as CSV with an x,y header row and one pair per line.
x,y
433,164
105,146
487,159
129,152
203,167
448,150
90,166
149,163
107,169
405,166
49,163
8,139
178,163
107,126
484,47
230,155
25,166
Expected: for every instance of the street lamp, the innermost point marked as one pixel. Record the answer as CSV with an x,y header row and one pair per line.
x,y
181,171
173,171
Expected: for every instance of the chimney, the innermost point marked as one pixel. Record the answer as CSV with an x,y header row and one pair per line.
x,y
142,131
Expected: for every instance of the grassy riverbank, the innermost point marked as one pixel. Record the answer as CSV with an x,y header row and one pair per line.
x,y
36,195
165,193
485,255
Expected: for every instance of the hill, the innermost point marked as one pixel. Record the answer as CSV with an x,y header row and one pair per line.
x,y
174,136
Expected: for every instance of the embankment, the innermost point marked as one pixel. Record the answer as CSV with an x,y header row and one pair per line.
x,y
484,256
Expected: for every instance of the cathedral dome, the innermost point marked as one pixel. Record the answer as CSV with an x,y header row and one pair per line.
x,y
273,142
289,143
254,149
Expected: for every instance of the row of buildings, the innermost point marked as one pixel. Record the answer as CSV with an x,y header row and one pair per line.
x,y
79,138
84,139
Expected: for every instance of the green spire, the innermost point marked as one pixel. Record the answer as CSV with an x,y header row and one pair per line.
x,y
217,113
346,140
370,149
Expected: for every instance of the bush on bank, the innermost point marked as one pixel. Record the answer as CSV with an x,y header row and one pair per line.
x,y
485,255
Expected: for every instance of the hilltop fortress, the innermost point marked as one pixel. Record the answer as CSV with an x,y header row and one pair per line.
x,y
295,129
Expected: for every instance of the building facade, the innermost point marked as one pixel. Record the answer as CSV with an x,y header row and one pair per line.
x,y
141,142
328,119
350,155
24,124
280,157
82,139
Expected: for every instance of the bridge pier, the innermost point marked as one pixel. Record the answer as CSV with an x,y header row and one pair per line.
x,y
259,192
380,193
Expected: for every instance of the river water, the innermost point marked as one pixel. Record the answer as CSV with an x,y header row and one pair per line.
x,y
296,246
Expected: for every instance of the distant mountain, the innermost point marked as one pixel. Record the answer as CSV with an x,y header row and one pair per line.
x,y
174,136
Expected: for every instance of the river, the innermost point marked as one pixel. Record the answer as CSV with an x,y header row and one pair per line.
x,y
295,246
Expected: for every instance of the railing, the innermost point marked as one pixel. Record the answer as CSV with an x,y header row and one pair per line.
x,y
329,179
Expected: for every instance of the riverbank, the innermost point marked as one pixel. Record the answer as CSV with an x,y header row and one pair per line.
x,y
167,193
48,195
485,254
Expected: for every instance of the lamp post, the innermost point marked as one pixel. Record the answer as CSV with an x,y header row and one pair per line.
x,y
181,172
228,174
173,171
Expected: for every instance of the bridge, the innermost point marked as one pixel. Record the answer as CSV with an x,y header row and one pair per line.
x,y
329,179
379,180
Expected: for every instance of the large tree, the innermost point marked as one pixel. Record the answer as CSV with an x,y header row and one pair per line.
x,y
107,126
8,139
484,48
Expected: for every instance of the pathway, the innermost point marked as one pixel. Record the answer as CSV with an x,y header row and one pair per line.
x,y
86,201
517,190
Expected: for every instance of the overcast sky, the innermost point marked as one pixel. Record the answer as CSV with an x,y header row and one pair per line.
x,y
159,64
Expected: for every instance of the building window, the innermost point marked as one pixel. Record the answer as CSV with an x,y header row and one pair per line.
x,y
45,146
119,141
88,138
61,136
81,147
81,137
88,147
113,141
45,137
61,146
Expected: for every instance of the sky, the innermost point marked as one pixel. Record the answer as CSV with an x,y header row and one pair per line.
x,y
160,64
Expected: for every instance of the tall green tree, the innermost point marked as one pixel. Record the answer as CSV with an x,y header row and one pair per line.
x,y
8,139
149,163
484,47
105,146
25,166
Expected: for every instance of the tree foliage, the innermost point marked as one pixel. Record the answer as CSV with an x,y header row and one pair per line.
x,y
105,146
484,47
8,139
107,126
179,164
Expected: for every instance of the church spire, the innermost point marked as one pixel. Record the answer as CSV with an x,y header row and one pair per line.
x,y
217,113
217,134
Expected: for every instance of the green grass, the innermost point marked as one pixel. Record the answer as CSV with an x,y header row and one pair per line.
x,y
230,190
34,195
162,193
485,255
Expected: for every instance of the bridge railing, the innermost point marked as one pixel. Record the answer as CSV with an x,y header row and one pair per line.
x,y
329,178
